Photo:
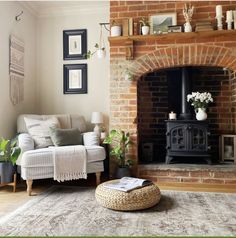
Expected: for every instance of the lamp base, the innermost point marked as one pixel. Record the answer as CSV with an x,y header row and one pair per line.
x,y
97,130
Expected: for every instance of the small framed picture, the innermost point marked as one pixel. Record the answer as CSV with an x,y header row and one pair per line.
x,y
74,44
159,23
174,29
75,78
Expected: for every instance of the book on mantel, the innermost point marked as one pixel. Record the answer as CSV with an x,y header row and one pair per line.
x,y
127,184
203,26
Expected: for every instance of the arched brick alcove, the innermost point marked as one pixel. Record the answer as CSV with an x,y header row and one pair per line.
x,y
123,93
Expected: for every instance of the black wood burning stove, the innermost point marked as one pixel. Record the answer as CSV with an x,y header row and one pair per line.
x,y
186,137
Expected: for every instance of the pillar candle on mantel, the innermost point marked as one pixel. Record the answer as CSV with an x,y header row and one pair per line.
x,y
229,16
218,11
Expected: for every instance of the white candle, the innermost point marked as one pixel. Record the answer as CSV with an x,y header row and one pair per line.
x,y
229,16
172,116
218,11
234,13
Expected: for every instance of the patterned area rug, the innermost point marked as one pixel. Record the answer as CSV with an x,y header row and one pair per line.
x,y
73,211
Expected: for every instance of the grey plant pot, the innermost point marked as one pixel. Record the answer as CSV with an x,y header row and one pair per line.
x,y
6,172
122,172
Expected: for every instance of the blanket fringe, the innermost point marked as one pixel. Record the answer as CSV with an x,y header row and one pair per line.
x,y
70,176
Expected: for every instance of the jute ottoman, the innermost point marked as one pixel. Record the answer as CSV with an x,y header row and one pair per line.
x,y
136,199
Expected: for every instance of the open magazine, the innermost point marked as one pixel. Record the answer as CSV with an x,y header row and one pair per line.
x,y
127,184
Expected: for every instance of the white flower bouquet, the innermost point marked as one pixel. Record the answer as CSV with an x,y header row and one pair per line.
x,y
199,100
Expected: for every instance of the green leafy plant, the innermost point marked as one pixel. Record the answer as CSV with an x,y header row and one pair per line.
x,y
9,151
144,22
90,53
120,143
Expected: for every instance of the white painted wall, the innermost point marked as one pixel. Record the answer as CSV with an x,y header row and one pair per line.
x,y
50,65
26,30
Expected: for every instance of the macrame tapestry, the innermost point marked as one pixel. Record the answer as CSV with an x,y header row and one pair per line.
x,y
16,70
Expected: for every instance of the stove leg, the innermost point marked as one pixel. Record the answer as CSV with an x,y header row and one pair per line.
x,y
168,159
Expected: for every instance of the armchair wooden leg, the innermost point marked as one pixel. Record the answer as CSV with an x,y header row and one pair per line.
x,y
29,183
98,178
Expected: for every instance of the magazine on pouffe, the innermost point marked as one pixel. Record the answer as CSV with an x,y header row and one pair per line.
x,y
127,184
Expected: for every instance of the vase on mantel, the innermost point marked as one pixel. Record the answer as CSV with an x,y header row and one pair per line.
x,y
201,114
187,27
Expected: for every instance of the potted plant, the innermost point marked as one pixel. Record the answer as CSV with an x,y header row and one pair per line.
x,y
145,26
9,153
115,29
99,50
120,141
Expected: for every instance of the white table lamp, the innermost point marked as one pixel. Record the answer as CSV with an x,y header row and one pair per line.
x,y
97,119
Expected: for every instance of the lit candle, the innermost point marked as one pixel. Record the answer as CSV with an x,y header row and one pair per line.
x,y
218,11
229,16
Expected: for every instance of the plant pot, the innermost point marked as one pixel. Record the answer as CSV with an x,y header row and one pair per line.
x,y
6,172
101,53
145,30
116,31
201,114
122,172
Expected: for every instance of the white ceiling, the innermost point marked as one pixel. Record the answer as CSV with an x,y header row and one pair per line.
x,y
52,8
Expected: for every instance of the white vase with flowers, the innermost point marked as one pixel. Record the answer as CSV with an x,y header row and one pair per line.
x,y
200,102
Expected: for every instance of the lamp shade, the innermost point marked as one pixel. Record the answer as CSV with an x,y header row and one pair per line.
x,y
97,118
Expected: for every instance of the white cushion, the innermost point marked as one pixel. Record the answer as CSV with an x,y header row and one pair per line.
x,y
40,130
90,139
66,121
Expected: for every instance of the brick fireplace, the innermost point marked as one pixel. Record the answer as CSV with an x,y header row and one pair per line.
x,y
151,56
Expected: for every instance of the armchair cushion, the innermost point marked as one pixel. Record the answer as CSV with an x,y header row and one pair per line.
x,y
61,137
40,130
26,143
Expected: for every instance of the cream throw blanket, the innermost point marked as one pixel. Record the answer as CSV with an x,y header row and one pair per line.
x,y
69,162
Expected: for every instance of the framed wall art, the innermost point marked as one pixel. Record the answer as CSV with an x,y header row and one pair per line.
x,y
159,23
75,79
74,44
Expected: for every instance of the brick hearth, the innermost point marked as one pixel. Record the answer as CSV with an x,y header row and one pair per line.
x,y
152,53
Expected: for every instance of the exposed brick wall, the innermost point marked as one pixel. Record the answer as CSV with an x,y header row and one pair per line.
x,y
204,10
160,53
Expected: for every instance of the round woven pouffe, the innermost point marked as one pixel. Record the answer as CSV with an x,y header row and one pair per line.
x,y
136,199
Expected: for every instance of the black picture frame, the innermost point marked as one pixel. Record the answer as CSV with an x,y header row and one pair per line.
x,y
74,44
75,79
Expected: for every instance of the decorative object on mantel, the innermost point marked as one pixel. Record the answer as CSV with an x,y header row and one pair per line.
x,y
229,19
203,26
16,70
219,17
159,22
234,13
228,148
200,102
115,29
145,26
188,13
